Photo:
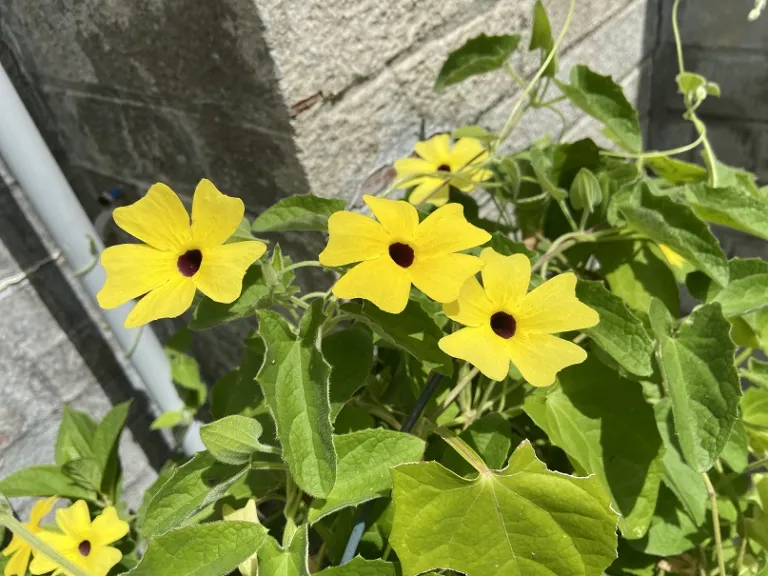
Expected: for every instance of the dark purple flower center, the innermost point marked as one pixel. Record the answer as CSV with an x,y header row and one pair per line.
x,y
401,253
503,325
84,548
189,262
443,168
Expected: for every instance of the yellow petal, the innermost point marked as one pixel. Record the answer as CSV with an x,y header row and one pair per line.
x,y
14,546
75,521
132,271
353,238
505,278
467,151
470,177
672,257
223,267
446,230
215,216
108,528
381,281
415,167
101,560
539,357
159,219
481,347
63,544
40,510
436,150
17,565
472,307
398,218
170,300
441,277
432,191
553,307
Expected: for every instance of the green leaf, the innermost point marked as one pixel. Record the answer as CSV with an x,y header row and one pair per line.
x,y
212,549
489,436
75,436
744,295
677,171
167,420
43,481
585,193
754,408
603,99
729,206
477,56
701,380
736,451
412,330
232,440
757,372
505,246
238,393
503,522
290,561
674,225
603,422
361,567
363,473
638,275
191,487
543,168
476,132
684,481
256,293
85,472
105,445
295,383
689,82
299,213
350,354
541,37
242,233
671,532
185,372
620,333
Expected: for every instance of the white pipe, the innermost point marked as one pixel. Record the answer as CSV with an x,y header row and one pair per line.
x,y
41,180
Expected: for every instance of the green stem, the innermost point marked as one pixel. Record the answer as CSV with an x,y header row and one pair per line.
x,y
514,75
464,450
299,303
567,214
715,522
293,500
509,125
657,153
319,294
745,354
38,545
463,383
304,264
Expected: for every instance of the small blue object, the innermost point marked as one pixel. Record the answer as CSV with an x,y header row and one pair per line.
x,y
109,196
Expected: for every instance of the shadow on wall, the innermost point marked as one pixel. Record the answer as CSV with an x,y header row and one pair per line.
x,y
130,93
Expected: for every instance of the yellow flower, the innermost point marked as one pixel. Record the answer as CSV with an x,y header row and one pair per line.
x,y
18,549
82,542
398,251
505,324
436,155
249,567
180,256
672,257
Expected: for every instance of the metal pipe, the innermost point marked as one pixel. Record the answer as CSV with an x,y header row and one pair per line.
x,y
42,182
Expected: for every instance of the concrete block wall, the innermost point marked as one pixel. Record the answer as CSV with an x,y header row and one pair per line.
x,y
359,75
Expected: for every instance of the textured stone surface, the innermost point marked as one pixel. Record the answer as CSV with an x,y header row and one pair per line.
x,y
344,141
